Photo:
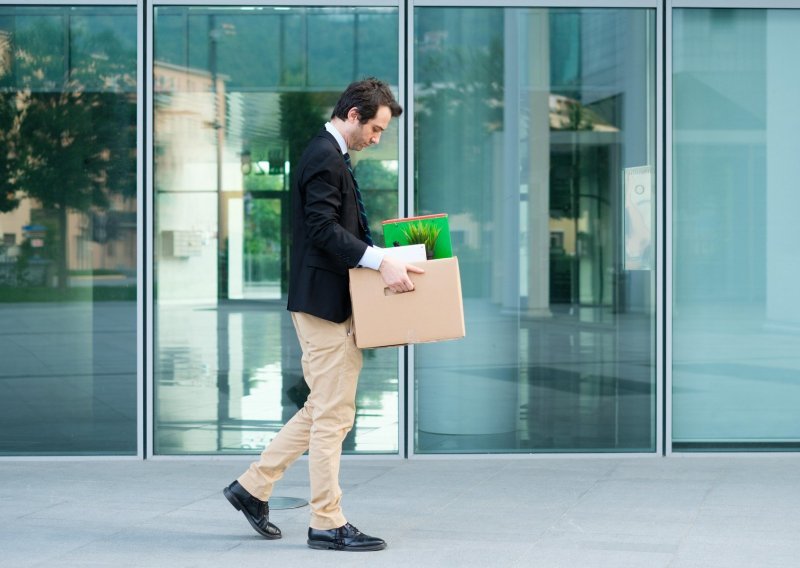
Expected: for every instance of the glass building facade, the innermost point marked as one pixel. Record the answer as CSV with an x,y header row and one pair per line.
x,y
619,179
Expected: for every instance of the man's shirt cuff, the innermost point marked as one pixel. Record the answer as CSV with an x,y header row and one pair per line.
x,y
372,258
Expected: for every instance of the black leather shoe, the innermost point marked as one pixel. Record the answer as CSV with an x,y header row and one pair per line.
x,y
346,537
256,512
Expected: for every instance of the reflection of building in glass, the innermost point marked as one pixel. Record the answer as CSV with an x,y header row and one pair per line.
x,y
568,114
98,239
185,120
69,139
189,118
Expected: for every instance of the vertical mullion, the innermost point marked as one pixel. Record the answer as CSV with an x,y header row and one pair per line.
x,y
660,201
148,184
141,321
668,262
402,82
409,210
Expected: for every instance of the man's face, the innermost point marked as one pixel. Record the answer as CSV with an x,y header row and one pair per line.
x,y
369,133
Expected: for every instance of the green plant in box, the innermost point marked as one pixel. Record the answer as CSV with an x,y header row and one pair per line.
x,y
422,234
433,231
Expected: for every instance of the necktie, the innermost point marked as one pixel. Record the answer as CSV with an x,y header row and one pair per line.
x,y
362,211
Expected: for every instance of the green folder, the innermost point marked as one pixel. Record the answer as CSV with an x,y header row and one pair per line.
x,y
428,229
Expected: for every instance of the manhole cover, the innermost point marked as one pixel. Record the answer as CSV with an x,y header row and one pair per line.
x,y
286,503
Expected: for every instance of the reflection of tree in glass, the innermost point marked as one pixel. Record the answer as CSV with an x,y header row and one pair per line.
x,y
9,136
378,185
460,98
375,175
74,147
263,235
302,115
476,85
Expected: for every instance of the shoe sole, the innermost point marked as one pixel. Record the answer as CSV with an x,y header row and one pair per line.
x,y
239,507
324,545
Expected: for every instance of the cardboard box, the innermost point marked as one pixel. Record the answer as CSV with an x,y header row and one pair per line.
x,y
433,311
396,232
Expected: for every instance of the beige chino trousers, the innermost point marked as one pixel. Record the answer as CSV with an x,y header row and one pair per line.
x,y
331,365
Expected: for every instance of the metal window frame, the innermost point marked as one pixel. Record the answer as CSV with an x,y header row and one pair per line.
x,y
636,4
66,4
141,244
747,4
280,3
660,232
149,239
667,304
580,4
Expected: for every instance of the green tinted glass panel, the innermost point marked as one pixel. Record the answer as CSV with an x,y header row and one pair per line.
x,y
533,130
735,310
68,222
239,91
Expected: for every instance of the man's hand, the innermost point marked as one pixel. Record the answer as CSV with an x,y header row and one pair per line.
x,y
395,274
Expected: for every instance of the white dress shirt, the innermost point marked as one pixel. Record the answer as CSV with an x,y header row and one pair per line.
x,y
373,256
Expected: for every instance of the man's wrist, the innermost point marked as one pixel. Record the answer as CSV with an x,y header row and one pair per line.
x,y
373,257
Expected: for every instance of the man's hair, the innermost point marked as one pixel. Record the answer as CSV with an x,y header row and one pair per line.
x,y
366,96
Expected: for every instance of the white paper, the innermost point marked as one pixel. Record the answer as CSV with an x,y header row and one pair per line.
x,y
407,253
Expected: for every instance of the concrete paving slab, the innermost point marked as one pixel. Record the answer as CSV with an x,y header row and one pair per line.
x,y
736,512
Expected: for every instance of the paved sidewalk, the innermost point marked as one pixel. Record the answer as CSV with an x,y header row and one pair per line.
x,y
542,512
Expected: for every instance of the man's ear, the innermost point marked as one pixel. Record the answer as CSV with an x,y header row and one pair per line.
x,y
353,114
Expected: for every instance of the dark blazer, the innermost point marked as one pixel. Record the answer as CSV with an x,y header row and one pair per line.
x,y
327,237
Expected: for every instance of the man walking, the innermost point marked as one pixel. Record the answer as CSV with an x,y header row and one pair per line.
x,y
330,235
